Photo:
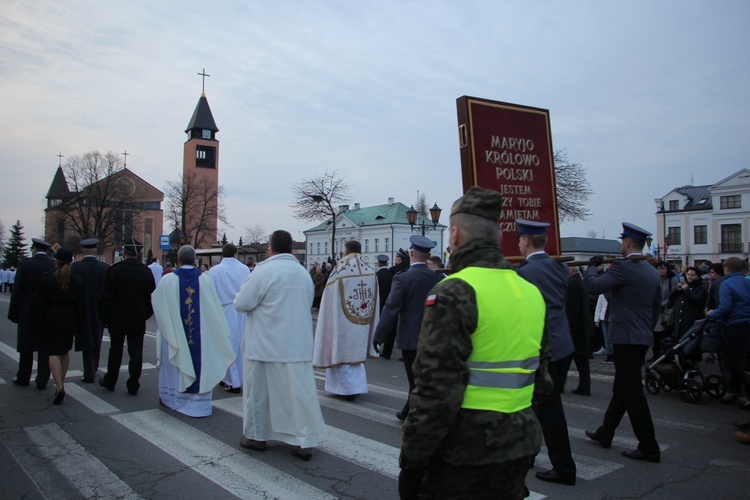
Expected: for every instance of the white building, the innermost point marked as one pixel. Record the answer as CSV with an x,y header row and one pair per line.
x,y
705,222
380,229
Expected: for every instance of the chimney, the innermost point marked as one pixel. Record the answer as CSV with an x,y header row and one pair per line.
x,y
390,199
343,208
356,206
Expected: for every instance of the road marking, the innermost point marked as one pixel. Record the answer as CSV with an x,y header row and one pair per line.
x,y
228,467
89,400
87,475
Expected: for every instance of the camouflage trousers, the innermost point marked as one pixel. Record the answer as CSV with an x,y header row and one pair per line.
x,y
506,480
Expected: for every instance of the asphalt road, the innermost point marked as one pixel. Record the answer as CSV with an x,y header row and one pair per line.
x,y
112,445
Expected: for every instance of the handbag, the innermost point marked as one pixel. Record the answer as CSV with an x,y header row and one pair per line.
x,y
667,318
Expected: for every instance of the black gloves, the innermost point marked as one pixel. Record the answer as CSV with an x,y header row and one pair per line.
x,y
375,344
596,260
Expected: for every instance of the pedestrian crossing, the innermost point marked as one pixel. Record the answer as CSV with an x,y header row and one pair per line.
x,y
238,473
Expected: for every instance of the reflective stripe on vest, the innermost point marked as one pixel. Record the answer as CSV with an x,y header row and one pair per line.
x,y
506,342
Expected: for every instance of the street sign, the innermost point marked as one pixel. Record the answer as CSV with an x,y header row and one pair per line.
x,y
164,242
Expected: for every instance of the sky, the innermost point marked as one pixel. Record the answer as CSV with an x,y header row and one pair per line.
x,y
646,95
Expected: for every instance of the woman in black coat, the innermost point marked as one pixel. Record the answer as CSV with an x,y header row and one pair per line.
x,y
59,317
689,301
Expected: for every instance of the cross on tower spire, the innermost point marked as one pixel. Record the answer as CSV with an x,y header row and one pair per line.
x,y
204,75
59,155
126,154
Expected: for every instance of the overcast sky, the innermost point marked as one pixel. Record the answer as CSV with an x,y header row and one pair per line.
x,y
648,96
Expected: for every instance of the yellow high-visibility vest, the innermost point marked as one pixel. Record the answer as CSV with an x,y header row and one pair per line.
x,y
507,341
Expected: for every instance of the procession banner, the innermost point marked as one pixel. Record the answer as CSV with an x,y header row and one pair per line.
x,y
508,148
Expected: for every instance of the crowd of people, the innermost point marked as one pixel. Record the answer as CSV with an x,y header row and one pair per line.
x,y
486,345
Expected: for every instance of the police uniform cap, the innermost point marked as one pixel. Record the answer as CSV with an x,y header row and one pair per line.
x,y
382,258
132,246
530,227
632,231
485,203
421,243
64,255
89,243
38,242
401,253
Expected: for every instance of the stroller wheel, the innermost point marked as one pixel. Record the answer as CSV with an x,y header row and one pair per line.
x,y
691,390
714,386
653,382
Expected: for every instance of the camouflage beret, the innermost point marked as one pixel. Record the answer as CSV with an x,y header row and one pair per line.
x,y
485,203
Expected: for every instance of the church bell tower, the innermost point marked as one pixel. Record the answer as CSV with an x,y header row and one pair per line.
x,y
200,169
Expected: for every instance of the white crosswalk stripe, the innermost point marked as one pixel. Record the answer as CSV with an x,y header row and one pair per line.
x,y
52,445
228,467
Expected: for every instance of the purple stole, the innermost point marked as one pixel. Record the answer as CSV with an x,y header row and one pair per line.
x,y
190,312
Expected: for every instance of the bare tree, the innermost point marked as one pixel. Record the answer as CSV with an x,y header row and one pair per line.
x,y
573,189
256,234
315,199
421,204
103,200
193,205
2,242
592,233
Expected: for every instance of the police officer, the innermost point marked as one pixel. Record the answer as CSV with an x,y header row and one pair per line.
x,y
551,278
124,306
634,305
93,271
481,358
402,264
27,281
405,307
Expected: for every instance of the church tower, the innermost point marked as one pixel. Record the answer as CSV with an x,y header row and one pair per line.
x,y
201,171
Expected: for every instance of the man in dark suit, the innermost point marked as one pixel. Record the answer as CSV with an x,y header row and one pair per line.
x,y
634,305
124,306
551,278
402,264
93,271
385,278
405,306
28,278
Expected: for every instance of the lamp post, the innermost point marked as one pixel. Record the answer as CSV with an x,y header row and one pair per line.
x,y
319,198
412,214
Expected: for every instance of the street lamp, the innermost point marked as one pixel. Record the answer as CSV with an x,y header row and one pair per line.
x,y
411,216
318,198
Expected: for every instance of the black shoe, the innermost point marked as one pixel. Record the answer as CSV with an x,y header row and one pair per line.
x,y
233,390
132,392
252,444
87,380
595,436
743,426
41,387
303,453
553,477
222,383
101,383
20,382
59,396
400,415
350,397
581,392
639,455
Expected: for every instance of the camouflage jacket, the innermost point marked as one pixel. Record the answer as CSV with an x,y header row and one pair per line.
x,y
436,423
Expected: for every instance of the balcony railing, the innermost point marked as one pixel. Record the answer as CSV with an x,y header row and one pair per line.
x,y
736,247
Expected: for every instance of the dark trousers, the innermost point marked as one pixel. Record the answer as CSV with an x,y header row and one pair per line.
x,y
554,426
135,352
409,357
26,363
735,337
628,396
584,372
90,358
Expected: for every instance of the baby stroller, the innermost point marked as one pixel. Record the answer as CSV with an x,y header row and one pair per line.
x,y
678,368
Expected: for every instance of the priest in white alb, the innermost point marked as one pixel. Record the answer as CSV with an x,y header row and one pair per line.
x,y
192,340
280,400
228,276
349,311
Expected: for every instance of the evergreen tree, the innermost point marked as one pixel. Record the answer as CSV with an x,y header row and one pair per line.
x,y
15,249
240,240
224,240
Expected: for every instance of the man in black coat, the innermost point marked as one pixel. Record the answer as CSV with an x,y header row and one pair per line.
x,y
124,307
28,278
93,271
551,278
581,324
385,278
402,264
405,307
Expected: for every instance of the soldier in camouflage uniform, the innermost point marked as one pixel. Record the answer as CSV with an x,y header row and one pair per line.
x,y
453,447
